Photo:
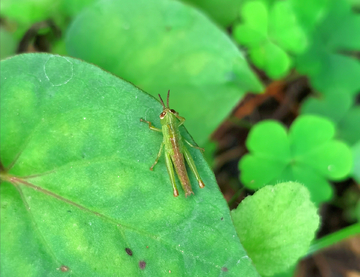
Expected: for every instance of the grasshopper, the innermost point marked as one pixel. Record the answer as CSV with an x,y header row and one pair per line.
x,y
175,151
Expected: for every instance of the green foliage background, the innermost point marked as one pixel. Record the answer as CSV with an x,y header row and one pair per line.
x,y
76,189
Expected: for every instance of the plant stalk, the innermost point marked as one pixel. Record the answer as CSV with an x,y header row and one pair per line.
x,y
334,238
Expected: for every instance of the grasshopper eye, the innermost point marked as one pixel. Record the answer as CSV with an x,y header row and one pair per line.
x,y
162,115
173,111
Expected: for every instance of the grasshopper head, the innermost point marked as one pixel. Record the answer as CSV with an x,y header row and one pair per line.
x,y
167,115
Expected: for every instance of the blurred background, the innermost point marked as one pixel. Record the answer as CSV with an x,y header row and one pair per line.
x,y
230,64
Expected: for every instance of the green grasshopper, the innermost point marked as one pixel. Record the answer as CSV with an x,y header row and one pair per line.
x,y
175,150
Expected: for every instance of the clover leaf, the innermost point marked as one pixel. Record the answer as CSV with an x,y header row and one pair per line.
x,y
276,226
316,37
270,31
308,153
334,32
340,109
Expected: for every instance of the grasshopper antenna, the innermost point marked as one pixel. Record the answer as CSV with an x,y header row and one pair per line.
x,y
161,101
167,101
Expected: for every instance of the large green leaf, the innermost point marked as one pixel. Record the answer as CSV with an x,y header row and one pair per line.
x,y
160,45
77,194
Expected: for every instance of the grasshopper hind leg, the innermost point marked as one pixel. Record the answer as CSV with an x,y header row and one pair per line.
x,y
170,169
191,164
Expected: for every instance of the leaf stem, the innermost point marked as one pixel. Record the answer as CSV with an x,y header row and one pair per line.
x,y
334,238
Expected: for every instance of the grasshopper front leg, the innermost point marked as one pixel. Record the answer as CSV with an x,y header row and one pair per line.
x,y
181,119
151,127
157,157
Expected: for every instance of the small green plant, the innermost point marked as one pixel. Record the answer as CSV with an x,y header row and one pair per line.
x,y
316,38
308,154
340,109
270,32
276,226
